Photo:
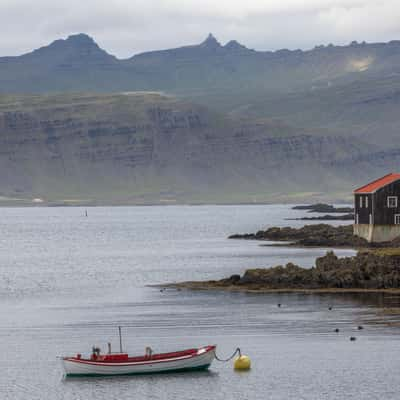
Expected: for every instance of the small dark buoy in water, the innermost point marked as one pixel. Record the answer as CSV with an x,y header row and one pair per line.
x,y
360,327
85,213
161,290
279,304
329,308
337,330
352,338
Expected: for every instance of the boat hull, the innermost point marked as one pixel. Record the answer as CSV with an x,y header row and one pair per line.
x,y
200,361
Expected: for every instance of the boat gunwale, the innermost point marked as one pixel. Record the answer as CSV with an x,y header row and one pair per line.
x,y
145,361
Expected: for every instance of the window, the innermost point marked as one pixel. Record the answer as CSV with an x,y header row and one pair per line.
x,y
392,201
366,201
397,219
360,201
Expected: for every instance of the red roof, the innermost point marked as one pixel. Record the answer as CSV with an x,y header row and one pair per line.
x,y
377,184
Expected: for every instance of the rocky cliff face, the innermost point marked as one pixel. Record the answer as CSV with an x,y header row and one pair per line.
x,y
329,90
149,148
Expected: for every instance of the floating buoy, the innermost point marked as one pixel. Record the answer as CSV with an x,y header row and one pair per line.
x,y
337,330
360,327
279,304
242,363
353,338
330,308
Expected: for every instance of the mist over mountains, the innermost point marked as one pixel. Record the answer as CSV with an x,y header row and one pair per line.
x,y
200,123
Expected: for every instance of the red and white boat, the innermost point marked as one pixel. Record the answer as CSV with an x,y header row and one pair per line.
x,y
122,364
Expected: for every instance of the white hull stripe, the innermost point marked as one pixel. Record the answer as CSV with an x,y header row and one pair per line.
x,y
113,364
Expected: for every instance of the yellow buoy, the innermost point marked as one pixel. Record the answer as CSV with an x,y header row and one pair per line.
x,y
242,363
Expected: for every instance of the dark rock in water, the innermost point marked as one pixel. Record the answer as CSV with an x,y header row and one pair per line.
x,y
234,278
352,338
329,308
324,208
337,330
318,235
377,269
243,236
279,304
327,217
360,327
322,235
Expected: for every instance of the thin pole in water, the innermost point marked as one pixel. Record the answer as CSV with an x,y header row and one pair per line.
x,y
120,339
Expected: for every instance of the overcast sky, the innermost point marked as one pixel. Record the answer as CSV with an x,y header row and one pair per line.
x,y
127,27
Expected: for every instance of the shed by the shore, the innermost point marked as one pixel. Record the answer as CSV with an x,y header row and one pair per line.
x,y
377,209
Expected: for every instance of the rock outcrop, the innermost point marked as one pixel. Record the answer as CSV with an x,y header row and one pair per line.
x,y
320,235
327,217
324,208
369,270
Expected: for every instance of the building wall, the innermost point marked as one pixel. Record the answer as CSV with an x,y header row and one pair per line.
x,y
363,208
363,230
383,215
374,219
377,233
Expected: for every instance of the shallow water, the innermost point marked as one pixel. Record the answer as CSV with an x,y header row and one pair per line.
x,y
67,281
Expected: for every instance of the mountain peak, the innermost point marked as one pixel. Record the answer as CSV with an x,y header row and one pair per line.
x,y
235,45
76,49
81,39
210,42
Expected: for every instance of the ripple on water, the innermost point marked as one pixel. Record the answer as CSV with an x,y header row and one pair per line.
x,y
66,282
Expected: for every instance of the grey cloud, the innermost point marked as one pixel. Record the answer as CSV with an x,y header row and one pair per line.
x,y
126,27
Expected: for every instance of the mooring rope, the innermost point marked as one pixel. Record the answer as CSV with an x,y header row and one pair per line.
x,y
237,351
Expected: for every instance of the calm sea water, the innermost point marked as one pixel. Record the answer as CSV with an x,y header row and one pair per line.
x,y
67,282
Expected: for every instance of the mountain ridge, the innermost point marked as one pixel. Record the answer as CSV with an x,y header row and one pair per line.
x,y
212,41
79,64
201,123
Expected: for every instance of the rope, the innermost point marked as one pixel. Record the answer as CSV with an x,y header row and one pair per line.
x,y
237,351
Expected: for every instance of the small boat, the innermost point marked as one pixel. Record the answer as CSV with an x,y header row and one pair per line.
x,y
122,364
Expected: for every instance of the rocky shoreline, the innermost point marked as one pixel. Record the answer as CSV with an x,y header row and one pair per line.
x,y
369,271
327,217
375,268
324,208
319,235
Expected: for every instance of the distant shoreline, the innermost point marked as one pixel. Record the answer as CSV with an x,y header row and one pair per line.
x,y
30,204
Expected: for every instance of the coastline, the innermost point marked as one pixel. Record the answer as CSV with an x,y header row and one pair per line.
x,y
215,286
369,271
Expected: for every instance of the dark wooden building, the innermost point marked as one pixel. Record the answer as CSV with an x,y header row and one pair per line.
x,y
377,209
